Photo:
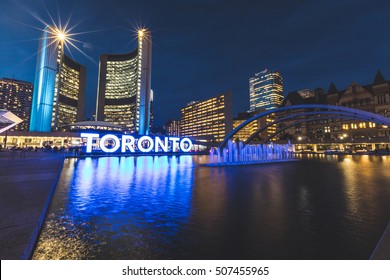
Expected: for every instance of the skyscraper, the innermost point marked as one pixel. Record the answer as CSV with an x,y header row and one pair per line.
x,y
124,90
16,97
69,107
59,89
266,92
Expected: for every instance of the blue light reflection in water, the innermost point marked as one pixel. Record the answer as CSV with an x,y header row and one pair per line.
x,y
138,201
324,207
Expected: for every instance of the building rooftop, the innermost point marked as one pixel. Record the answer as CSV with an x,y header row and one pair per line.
x,y
95,125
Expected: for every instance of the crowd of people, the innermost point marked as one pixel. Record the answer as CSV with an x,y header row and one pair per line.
x,y
73,151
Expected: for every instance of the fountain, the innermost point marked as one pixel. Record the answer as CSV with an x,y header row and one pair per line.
x,y
240,154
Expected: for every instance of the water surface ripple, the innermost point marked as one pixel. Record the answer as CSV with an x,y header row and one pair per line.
x,y
328,207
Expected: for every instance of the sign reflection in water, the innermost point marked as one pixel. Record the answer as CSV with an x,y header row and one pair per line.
x,y
329,207
138,201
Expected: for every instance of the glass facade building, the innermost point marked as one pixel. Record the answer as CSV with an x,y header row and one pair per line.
x,y
59,89
69,103
124,90
16,96
211,118
266,92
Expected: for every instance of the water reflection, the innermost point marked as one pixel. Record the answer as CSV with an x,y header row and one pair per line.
x,y
136,201
327,207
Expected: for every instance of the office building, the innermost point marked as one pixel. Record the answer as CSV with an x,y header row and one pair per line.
x,y
69,107
59,89
124,89
172,128
211,118
16,97
266,92
251,128
299,97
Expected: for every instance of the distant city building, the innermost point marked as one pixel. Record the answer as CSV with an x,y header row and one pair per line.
x,y
172,128
374,98
266,92
124,89
249,129
211,118
16,96
59,89
305,96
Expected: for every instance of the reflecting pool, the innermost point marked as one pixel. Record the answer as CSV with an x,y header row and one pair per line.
x,y
168,207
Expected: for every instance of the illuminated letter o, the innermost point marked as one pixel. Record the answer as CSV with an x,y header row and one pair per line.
x,y
182,147
148,149
116,143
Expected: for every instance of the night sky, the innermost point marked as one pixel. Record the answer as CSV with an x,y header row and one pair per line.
x,y
204,47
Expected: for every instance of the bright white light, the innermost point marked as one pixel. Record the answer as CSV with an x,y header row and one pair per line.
x,y
61,35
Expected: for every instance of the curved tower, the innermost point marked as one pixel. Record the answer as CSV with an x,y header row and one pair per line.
x,y
59,89
124,92
49,56
69,101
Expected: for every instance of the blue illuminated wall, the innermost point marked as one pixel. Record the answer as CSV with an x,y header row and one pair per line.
x,y
44,86
144,94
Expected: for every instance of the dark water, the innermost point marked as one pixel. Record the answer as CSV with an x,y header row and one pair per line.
x,y
171,208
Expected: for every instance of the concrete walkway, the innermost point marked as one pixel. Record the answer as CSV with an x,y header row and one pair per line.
x,y
27,182
382,251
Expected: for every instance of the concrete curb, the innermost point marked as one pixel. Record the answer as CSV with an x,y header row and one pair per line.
x,y
29,250
382,249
